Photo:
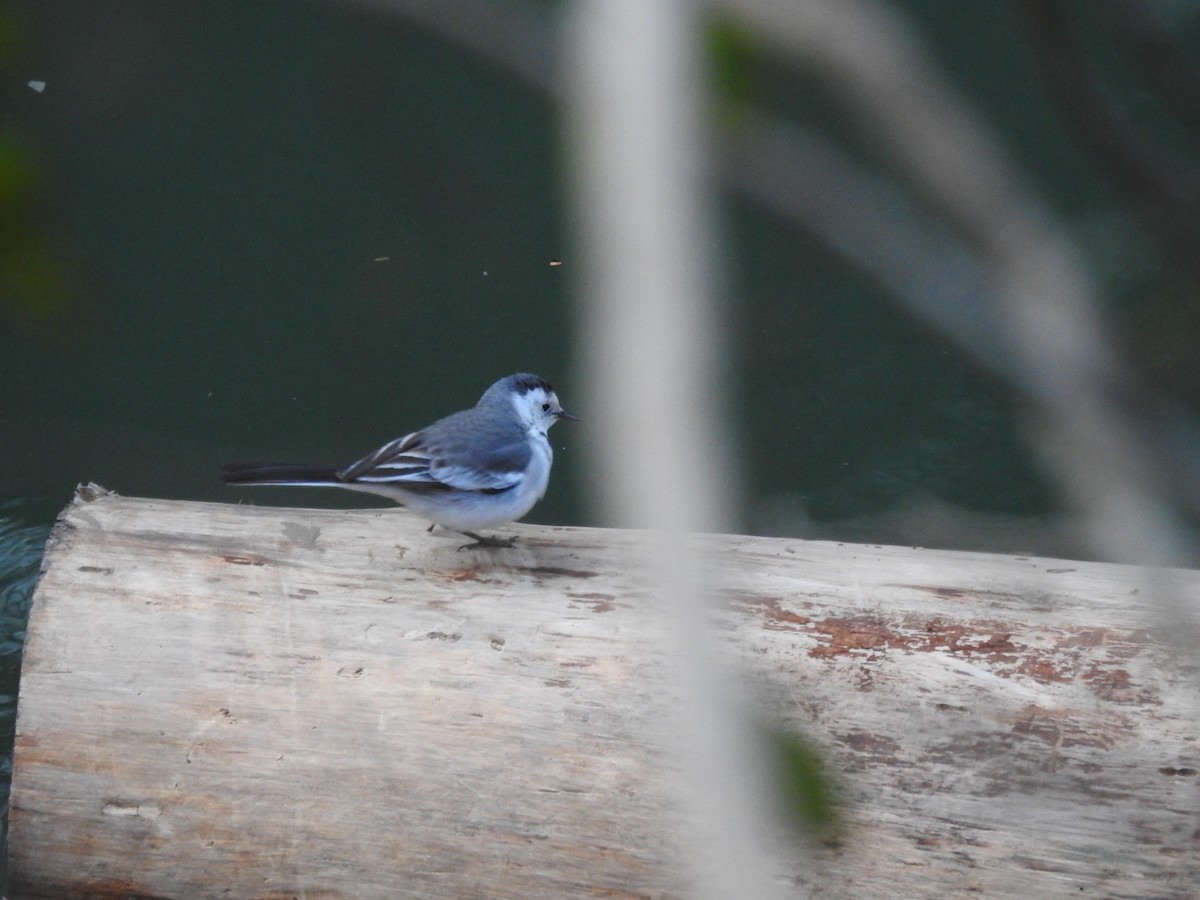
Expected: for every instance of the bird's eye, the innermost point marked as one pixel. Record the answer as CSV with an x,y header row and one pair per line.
x,y
545,407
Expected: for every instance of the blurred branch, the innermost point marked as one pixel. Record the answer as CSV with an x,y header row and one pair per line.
x,y
1009,287
868,54
651,352
806,178
1159,57
1166,198
801,175
517,35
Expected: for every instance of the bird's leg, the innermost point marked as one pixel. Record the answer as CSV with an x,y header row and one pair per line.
x,y
481,540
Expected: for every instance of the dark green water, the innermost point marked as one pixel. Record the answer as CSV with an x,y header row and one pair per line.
x,y
281,231
293,231
20,555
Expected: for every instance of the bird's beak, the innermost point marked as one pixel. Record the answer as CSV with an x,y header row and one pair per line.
x,y
563,414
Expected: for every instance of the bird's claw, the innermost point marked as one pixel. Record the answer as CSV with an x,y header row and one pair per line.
x,y
489,541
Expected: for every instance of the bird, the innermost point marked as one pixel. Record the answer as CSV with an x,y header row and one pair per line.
x,y
470,471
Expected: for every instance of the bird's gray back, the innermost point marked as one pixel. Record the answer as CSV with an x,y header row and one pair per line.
x,y
493,441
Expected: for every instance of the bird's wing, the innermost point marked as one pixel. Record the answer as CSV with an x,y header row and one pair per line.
x,y
414,460
403,459
504,468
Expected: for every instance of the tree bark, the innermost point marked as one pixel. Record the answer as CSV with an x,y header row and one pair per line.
x,y
250,702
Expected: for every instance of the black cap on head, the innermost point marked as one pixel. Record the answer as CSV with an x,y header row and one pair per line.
x,y
523,383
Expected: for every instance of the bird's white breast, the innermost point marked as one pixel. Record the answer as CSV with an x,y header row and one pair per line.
x,y
537,476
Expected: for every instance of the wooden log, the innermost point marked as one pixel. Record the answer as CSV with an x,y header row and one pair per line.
x,y
252,702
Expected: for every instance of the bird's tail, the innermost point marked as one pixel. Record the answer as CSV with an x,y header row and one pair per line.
x,y
284,473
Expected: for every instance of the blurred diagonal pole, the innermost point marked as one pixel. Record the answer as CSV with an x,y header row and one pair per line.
x,y
651,358
650,341
1043,303
976,286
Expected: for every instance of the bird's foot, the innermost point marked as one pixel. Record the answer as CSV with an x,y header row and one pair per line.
x,y
490,541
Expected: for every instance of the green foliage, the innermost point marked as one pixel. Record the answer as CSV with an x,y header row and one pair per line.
x,y
806,788
733,65
32,286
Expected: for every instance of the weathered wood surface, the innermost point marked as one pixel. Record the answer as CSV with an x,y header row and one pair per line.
x,y
252,702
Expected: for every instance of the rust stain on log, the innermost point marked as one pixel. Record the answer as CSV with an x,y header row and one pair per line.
x,y
844,635
958,638
1064,728
1086,637
1115,686
777,618
1040,669
1116,643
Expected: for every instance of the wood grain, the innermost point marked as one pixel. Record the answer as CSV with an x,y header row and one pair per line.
x,y
249,702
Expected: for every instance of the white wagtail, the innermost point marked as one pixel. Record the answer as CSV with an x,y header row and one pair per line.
x,y
472,470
